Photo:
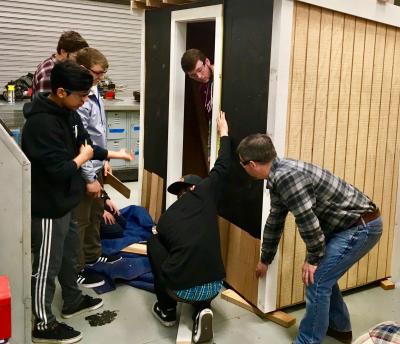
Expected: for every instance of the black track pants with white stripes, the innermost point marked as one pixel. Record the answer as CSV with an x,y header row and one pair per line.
x,y
55,249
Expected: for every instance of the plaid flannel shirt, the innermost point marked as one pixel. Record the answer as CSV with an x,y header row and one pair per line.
x,y
320,202
387,332
41,79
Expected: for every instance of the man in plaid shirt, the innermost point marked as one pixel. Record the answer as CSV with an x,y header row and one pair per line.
x,y
68,45
337,222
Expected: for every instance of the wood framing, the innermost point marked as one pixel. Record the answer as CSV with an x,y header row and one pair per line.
x,y
387,284
279,317
152,194
136,248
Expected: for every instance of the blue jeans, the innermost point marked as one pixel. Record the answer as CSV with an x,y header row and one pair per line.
x,y
324,303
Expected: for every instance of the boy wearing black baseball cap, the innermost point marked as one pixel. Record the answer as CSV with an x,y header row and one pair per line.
x,y
185,255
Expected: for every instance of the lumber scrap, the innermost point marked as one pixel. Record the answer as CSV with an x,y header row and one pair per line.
x,y
279,317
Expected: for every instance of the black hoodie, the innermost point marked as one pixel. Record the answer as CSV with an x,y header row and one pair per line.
x,y
51,138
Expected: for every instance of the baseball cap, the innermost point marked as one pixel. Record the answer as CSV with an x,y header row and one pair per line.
x,y
185,181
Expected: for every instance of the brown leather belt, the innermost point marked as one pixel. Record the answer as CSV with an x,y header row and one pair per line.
x,y
368,217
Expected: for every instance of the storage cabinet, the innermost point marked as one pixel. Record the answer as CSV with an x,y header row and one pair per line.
x,y
123,131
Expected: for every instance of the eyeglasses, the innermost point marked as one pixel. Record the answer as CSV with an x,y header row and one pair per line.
x,y
102,72
197,71
244,163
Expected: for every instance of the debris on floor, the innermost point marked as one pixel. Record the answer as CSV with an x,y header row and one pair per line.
x,y
100,319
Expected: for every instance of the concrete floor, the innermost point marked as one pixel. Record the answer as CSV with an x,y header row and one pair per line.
x,y
135,323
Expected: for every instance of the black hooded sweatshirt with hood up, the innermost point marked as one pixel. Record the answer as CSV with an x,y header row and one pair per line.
x,y
51,138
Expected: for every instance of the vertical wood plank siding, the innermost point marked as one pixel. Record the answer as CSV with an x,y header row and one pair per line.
x,y
343,115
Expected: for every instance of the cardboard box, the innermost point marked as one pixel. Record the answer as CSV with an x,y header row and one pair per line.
x,y
5,308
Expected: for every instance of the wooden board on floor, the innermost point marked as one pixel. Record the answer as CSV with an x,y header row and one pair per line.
x,y
279,317
136,248
387,284
184,335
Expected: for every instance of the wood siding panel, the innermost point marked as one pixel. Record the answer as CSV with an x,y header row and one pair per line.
x,y
383,142
393,152
343,114
344,104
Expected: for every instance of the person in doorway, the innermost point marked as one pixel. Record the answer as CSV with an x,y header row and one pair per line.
x,y
90,211
68,45
338,223
198,67
185,255
57,145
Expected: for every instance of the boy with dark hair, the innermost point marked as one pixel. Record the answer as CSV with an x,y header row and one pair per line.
x,y
91,209
198,67
57,145
68,44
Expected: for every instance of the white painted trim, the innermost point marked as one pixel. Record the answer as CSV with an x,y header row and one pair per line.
x,y
396,239
369,9
276,126
179,20
142,99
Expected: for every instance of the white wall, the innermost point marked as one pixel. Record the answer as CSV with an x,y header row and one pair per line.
x,y
29,32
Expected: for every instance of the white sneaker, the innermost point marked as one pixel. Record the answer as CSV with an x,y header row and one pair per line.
x,y
202,327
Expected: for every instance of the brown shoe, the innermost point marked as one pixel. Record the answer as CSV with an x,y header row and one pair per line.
x,y
343,337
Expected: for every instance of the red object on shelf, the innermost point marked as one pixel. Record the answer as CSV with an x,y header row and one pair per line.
x,y
5,308
110,94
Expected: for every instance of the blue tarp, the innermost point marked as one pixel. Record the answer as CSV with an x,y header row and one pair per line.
x,y
132,269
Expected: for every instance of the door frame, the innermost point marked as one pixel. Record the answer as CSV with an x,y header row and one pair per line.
x,y
176,111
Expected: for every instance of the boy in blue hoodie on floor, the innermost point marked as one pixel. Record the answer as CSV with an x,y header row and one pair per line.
x,y
56,143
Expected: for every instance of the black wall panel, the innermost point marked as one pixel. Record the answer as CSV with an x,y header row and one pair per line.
x,y
157,50
246,60
245,78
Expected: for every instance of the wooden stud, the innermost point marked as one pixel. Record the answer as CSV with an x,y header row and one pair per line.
x,y
137,4
160,194
279,317
154,3
177,2
136,248
153,196
184,335
387,284
146,189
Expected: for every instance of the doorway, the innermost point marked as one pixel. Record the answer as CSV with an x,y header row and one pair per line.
x,y
191,141
197,124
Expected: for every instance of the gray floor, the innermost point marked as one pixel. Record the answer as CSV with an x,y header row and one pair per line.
x,y
135,324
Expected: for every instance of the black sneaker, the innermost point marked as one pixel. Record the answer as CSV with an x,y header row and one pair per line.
x,y
202,327
167,317
56,333
105,259
89,279
87,304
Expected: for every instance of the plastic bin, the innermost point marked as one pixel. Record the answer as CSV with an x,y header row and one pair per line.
x,y
5,308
